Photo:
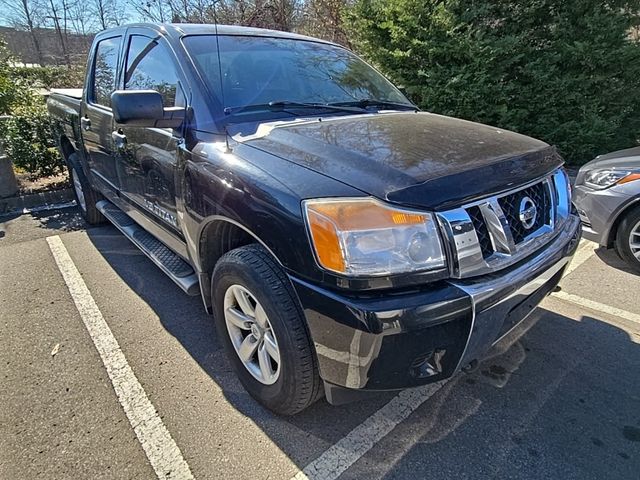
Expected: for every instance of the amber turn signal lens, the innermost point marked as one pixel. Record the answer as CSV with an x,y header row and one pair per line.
x,y
629,178
326,242
362,214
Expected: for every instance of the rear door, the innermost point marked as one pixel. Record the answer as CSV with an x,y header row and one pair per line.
x,y
148,162
96,118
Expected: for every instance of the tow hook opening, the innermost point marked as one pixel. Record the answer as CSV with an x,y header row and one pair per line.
x,y
470,367
428,365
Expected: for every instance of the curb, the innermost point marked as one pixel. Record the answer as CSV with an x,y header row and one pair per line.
x,y
39,201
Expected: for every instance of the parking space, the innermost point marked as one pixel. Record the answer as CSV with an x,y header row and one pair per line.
x,y
604,278
559,402
59,415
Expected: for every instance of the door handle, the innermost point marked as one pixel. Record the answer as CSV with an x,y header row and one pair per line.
x,y
85,123
119,139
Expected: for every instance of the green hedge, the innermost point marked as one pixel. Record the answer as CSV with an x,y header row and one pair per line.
x,y
29,140
10,88
28,135
565,71
50,77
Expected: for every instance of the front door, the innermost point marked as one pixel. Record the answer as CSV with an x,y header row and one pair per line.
x,y
96,118
147,156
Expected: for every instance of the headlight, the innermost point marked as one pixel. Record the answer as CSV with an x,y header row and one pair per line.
x,y
604,178
362,236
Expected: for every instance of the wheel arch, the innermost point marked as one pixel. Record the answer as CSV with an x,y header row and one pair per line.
x,y
620,214
218,235
66,147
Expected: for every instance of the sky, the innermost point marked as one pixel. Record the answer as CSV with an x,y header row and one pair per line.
x,y
6,12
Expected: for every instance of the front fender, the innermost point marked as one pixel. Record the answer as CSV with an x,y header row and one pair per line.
x,y
258,193
617,217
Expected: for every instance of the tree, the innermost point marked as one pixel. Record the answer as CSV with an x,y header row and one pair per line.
x,y
324,19
61,30
109,13
566,71
152,10
277,14
25,15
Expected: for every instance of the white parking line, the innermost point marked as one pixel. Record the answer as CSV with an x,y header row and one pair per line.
x,y
161,450
338,458
597,306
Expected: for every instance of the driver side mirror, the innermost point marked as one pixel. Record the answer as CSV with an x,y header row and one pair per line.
x,y
144,108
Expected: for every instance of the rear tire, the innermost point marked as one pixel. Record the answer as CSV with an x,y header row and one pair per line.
x,y
292,384
628,239
86,196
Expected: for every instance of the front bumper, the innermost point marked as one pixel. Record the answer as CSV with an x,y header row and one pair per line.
x,y
386,341
598,210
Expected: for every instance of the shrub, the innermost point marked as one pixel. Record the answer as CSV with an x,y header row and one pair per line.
x,y
565,71
50,77
10,89
28,138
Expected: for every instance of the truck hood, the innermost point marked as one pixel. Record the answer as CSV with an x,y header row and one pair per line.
x,y
410,158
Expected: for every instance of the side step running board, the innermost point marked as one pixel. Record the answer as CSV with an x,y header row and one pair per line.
x,y
169,262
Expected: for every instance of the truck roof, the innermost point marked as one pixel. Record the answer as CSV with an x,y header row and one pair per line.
x,y
180,29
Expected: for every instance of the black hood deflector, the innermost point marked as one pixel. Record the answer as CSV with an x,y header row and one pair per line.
x,y
459,188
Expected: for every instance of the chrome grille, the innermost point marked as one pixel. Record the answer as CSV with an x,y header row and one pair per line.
x,y
481,230
510,204
498,231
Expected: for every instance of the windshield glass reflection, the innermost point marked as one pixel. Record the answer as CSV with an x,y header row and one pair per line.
x,y
262,70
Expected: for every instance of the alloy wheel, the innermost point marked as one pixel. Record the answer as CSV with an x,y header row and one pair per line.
x,y
634,241
251,334
77,186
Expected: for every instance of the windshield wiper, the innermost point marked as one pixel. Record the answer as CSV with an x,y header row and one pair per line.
x,y
285,104
370,102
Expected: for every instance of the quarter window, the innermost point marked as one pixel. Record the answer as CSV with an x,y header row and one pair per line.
x,y
104,70
151,67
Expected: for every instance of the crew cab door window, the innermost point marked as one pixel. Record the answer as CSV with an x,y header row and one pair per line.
x,y
148,164
97,118
104,70
151,67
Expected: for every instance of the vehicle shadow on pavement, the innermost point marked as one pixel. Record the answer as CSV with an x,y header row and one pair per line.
x,y
559,402
611,258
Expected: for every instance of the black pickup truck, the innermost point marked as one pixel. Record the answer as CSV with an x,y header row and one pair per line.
x,y
343,240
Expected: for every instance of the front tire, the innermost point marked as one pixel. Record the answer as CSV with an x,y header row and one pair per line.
x,y
86,196
628,239
263,331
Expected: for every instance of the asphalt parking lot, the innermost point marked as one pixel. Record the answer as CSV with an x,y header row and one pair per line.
x,y
562,401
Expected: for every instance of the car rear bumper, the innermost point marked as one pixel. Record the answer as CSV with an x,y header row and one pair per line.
x,y
387,341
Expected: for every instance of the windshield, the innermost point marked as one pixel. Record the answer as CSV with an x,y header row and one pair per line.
x,y
260,70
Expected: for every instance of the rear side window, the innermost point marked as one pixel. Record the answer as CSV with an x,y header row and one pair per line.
x,y
150,66
104,70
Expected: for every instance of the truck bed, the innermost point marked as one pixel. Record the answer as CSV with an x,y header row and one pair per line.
x,y
64,106
68,92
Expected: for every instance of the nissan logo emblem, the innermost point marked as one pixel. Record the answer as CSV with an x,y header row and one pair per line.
x,y
528,212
